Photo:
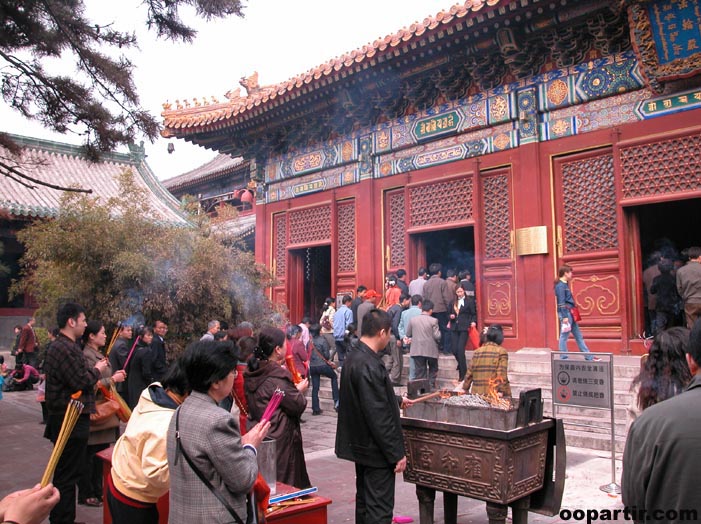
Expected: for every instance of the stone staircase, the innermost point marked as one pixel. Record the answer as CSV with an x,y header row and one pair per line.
x,y
531,368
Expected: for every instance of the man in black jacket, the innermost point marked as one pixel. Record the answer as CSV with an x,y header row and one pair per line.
x,y
159,365
119,353
369,431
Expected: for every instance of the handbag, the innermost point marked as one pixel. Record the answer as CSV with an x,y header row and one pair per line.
x,y
474,337
251,514
104,410
576,315
326,323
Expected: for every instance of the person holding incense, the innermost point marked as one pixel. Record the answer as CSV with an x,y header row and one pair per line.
x,y
28,506
119,352
67,372
140,474
264,376
295,348
102,433
212,467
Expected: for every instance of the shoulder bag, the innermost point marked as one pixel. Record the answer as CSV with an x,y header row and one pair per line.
x,y
328,362
103,411
576,315
251,517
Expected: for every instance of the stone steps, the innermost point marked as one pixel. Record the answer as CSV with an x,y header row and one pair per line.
x,y
531,368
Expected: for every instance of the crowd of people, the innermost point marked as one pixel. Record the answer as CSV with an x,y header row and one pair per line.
x,y
671,287
196,421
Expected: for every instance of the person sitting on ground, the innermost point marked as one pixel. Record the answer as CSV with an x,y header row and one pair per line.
x,y
139,475
664,372
25,376
489,365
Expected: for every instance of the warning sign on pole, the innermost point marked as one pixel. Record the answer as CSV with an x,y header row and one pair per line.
x,y
579,382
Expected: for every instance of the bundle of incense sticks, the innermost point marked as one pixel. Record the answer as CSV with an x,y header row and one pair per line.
x,y
290,363
273,404
110,393
73,411
113,339
427,397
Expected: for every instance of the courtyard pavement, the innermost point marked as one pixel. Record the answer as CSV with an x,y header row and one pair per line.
x,y
24,453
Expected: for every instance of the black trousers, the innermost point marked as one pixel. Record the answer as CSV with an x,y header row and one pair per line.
x,y
90,483
374,498
446,341
69,467
459,341
125,510
420,371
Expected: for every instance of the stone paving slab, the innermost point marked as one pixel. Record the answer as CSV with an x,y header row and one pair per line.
x,y
24,454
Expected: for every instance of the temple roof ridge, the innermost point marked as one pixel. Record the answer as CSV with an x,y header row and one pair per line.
x,y
201,114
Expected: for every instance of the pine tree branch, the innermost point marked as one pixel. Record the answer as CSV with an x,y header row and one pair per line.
x,y
9,171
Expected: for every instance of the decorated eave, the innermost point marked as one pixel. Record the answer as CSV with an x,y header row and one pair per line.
x,y
67,166
469,48
221,166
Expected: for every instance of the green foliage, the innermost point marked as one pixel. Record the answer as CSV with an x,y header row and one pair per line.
x,y
118,263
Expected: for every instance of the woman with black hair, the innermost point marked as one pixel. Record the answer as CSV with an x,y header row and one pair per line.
x,y
212,467
664,373
264,376
140,475
102,433
489,365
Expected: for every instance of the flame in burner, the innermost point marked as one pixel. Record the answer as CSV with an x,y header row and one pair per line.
x,y
493,396
444,393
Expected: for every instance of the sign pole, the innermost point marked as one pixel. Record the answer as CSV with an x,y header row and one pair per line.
x,y
577,382
612,488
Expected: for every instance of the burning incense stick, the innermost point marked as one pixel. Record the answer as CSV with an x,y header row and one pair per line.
x,y
427,397
273,404
131,352
73,411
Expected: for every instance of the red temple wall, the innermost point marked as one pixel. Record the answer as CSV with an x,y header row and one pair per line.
x,y
577,187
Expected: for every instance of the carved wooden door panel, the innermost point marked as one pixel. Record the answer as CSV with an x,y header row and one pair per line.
x,y
495,279
587,226
395,231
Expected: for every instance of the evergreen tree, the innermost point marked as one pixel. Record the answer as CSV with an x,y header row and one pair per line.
x,y
98,99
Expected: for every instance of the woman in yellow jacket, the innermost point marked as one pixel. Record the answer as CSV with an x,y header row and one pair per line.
x,y
140,474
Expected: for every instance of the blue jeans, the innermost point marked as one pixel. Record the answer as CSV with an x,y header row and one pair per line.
x,y
316,373
577,337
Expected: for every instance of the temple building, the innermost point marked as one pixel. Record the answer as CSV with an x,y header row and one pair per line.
x,y
223,181
24,201
506,137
